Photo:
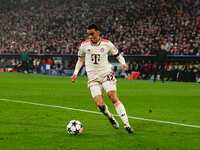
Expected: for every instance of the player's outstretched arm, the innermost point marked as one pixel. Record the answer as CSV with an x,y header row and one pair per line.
x,y
79,64
73,77
124,66
121,59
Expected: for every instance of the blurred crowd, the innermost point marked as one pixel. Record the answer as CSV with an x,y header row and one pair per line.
x,y
135,27
34,64
173,71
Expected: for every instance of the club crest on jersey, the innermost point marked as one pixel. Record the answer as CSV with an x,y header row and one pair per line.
x,y
102,50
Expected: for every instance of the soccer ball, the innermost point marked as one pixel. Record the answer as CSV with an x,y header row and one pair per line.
x,y
74,127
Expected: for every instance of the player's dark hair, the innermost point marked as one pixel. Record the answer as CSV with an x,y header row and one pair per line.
x,y
93,26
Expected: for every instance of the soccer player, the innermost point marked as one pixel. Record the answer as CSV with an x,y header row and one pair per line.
x,y
94,53
161,58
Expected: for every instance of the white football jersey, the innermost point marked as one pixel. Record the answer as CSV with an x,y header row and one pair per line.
x,y
96,57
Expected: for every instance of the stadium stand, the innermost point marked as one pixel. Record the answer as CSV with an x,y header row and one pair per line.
x,y
58,27
136,27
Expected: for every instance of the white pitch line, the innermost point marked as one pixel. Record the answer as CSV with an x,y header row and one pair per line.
x,y
94,112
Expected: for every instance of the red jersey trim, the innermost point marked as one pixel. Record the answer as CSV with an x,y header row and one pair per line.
x,y
105,40
101,40
84,42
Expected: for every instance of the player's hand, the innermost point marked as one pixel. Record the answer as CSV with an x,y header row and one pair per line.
x,y
125,67
73,77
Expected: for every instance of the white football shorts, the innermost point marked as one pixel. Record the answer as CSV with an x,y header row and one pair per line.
x,y
98,87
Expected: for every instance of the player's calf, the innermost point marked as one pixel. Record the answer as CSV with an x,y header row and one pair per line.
x,y
105,111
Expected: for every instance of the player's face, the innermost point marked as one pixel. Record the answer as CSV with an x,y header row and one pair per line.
x,y
93,35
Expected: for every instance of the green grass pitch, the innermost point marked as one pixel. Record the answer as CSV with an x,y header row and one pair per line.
x,y
25,126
